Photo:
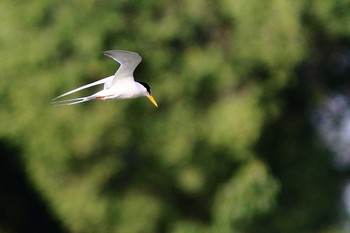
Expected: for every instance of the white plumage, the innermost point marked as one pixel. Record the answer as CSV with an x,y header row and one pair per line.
x,y
119,86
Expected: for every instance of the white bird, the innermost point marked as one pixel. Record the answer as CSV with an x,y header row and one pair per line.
x,y
121,85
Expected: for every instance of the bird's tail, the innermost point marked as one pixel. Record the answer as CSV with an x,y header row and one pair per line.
x,y
72,101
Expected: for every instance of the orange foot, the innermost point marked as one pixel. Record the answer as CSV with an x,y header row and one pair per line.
x,y
100,97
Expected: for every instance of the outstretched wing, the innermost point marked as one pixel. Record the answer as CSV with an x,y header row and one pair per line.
x,y
102,81
128,62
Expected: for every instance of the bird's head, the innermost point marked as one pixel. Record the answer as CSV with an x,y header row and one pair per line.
x,y
148,93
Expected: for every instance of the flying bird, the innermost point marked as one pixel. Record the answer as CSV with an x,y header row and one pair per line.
x,y
121,85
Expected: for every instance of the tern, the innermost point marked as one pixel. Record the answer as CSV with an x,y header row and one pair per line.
x,y
121,85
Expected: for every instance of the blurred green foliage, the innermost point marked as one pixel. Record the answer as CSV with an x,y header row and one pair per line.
x,y
228,150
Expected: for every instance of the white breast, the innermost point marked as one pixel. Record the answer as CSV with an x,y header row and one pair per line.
x,y
123,90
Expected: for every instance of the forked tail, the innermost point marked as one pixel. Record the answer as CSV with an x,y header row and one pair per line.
x,y
72,101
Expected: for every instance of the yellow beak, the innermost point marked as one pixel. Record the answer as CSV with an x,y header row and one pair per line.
x,y
150,97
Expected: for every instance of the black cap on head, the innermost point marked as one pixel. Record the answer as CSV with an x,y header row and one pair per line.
x,y
146,86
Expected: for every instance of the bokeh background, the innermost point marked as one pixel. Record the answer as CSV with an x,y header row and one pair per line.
x,y
252,133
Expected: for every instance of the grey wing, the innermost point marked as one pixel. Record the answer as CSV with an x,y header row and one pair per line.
x,y
128,62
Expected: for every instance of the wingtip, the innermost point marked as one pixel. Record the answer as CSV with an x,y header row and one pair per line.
x,y
111,52
108,52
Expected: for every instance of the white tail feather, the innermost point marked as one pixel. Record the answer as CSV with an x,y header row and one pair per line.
x,y
73,101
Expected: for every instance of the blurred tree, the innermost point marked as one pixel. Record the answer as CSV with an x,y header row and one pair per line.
x,y
230,148
19,202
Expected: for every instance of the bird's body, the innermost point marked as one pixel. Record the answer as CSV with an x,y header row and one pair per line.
x,y
123,90
119,86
